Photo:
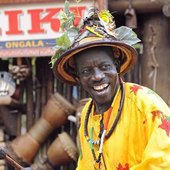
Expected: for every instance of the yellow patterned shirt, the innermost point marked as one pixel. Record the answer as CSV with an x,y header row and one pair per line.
x,y
141,139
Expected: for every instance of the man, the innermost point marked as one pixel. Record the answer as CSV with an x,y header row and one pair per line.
x,y
124,126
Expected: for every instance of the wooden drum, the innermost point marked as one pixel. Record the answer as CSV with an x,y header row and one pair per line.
x,y
54,115
62,151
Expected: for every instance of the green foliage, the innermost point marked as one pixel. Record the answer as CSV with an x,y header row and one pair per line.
x,y
63,41
66,17
70,32
126,35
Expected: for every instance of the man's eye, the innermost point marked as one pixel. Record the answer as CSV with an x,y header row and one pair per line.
x,y
105,67
85,72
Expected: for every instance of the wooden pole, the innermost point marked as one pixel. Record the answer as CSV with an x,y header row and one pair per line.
x,y
29,100
37,101
102,4
20,87
156,62
141,6
11,161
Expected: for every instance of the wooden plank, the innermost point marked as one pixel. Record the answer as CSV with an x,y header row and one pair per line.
x,y
26,1
141,6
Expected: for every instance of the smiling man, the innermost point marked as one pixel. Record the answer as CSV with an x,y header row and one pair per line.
x,y
124,126
98,75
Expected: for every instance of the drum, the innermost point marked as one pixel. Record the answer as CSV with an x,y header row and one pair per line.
x,y
62,151
54,115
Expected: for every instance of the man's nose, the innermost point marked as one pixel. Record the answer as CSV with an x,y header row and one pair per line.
x,y
97,74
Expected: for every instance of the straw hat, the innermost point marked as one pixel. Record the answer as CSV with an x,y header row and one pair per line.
x,y
98,30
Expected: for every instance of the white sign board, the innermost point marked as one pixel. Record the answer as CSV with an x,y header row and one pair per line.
x,y
28,30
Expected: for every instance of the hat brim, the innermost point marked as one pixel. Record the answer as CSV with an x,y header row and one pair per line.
x,y
59,67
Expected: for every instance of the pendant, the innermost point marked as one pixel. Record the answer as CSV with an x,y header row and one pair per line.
x,y
97,165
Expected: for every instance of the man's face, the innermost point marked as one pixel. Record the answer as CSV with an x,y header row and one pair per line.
x,y
97,74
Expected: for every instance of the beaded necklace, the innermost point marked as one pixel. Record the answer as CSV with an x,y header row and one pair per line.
x,y
104,136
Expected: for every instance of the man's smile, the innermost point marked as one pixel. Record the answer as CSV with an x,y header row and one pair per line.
x,y
101,87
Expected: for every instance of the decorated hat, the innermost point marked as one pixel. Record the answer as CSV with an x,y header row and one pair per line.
x,y
98,29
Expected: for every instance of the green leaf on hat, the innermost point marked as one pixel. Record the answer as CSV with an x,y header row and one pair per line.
x,y
126,35
69,21
72,33
63,41
66,17
55,56
63,18
66,7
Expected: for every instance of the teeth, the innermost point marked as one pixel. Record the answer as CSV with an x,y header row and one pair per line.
x,y
101,87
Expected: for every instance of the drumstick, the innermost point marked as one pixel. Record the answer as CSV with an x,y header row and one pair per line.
x,y
12,162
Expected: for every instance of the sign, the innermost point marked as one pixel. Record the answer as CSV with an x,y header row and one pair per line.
x,y
28,30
